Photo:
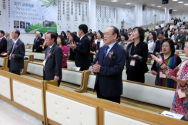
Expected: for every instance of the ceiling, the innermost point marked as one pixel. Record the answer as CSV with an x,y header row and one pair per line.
x,y
171,4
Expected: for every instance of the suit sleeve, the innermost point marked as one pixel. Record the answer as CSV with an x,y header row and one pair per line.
x,y
21,51
39,43
58,61
86,48
145,53
117,68
3,44
154,68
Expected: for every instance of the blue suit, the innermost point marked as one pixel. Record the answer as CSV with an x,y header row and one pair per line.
x,y
109,79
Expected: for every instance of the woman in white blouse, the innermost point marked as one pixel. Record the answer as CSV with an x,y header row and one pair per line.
x,y
151,43
99,41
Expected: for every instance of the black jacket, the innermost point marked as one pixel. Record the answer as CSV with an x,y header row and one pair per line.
x,y
3,45
82,58
157,47
36,45
141,50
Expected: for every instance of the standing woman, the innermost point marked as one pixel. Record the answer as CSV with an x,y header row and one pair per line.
x,y
92,46
137,53
124,40
169,59
180,75
151,43
72,38
99,41
62,44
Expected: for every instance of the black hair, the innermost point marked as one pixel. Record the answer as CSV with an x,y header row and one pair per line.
x,y
154,35
171,43
115,31
84,28
62,40
125,29
68,31
65,36
53,36
74,36
141,33
17,32
101,34
160,33
92,36
125,35
41,34
1,31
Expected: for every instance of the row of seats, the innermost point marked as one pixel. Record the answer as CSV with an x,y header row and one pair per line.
x,y
57,106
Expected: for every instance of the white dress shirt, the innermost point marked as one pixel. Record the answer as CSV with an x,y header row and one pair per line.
x,y
151,46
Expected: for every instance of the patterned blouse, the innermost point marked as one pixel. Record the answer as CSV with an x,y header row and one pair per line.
x,y
179,105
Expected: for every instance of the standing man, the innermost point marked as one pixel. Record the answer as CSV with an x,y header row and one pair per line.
x,y
121,30
160,37
17,53
82,49
108,65
3,42
53,59
9,42
184,21
37,43
180,40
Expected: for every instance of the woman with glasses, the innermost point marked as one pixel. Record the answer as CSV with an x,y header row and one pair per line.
x,y
136,57
180,75
171,60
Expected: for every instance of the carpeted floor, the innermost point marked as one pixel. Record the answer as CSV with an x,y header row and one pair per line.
x,y
10,115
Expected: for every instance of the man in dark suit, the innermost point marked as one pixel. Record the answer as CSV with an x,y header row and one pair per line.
x,y
53,59
82,49
160,37
17,53
108,65
121,30
37,43
3,42
180,40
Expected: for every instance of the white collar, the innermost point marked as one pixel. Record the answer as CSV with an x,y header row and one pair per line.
x,y
15,41
82,37
111,45
2,37
51,46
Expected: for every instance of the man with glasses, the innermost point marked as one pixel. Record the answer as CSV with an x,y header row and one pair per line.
x,y
108,65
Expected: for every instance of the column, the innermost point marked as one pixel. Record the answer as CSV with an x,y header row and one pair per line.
x,y
167,15
139,15
92,15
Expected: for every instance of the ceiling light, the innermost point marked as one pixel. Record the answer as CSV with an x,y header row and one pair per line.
x,y
128,3
114,0
174,0
186,4
174,10
180,2
152,4
158,6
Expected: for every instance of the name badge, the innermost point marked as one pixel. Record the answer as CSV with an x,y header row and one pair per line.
x,y
132,63
162,75
181,94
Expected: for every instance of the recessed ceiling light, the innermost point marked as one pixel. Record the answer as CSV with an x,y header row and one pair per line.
x,y
152,4
128,3
180,2
114,0
186,4
174,0
158,6
174,10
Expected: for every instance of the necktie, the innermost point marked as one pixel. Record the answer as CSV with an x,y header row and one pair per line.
x,y
48,53
105,51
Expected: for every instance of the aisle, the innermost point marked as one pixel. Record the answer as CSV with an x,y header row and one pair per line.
x,y
10,115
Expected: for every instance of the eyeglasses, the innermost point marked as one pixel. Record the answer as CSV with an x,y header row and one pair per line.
x,y
166,46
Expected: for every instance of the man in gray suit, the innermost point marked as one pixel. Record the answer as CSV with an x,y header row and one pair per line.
x,y
9,41
180,40
17,53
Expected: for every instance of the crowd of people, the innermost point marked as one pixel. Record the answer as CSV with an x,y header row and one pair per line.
x,y
113,50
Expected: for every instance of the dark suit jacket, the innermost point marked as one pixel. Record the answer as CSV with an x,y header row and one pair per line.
x,y
77,40
53,66
141,50
157,47
180,48
37,43
3,45
82,58
109,79
182,39
17,62
121,30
